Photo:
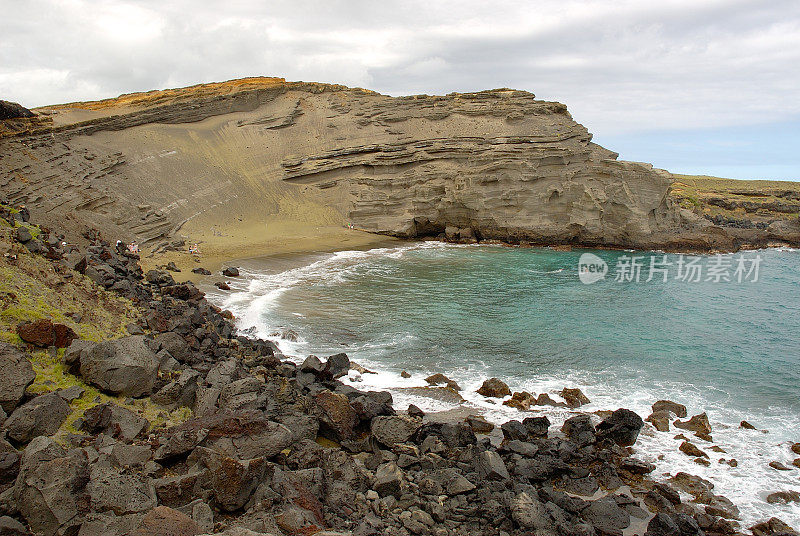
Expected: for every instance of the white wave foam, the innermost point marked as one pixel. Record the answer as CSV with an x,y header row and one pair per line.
x,y
256,294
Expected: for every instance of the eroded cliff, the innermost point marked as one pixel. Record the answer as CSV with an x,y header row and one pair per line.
x,y
268,152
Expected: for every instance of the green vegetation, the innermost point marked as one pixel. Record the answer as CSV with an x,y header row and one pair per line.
x,y
32,289
755,200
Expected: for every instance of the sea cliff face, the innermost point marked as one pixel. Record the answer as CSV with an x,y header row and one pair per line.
x,y
495,164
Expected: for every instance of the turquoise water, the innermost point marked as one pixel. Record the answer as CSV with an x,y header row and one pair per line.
x,y
523,315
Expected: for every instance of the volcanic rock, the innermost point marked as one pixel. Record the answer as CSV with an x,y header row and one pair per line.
x,y
42,416
494,388
123,366
16,377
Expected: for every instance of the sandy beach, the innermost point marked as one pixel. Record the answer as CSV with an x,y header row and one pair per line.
x,y
220,248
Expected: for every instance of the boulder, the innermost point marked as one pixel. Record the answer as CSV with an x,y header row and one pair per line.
x,y
452,435
545,400
574,397
479,424
16,377
717,505
11,527
579,430
660,420
246,394
635,466
232,481
231,271
514,430
389,480
529,513
336,366
131,455
160,278
783,497
313,365
44,333
698,424
690,449
337,417
23,235
521,400
414,411
452,482
50,491
164,521
494,388
41,416
111,490
536,426
392,430
773,526
606,516
441,379
662,525
125,366
490,466
372,404
622,427
114,420
691,484
180,392
201,271
9,464
175,344
244,435
679,410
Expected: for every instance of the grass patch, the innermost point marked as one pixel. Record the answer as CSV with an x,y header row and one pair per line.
x,y
51,375
31,289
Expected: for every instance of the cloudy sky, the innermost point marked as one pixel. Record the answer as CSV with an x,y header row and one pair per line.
x,y
702,86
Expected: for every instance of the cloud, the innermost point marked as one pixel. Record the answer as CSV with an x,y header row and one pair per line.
x,y
621,66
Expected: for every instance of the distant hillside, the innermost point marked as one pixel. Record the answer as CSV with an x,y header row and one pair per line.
x,y
246,161
738,203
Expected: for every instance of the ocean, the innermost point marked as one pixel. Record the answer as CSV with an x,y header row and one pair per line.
x,y
720,334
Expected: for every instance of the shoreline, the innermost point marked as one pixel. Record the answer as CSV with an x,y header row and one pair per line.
x,y
459,411
218,252
305,423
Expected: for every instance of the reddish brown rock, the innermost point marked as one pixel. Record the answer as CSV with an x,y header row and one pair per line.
x,y
336,415
660,420
679,410
44,333
521,401
441,379
545,400
39,333
494,388
574,397
164,521
698,423
691,450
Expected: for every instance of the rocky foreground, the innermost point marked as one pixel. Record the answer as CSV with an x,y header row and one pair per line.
x,y
496,164
270,447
